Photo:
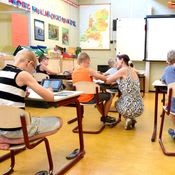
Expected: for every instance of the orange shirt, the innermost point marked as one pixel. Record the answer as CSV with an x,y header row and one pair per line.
x,y
82,74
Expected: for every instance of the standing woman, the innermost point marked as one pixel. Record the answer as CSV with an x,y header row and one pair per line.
x,y
130,104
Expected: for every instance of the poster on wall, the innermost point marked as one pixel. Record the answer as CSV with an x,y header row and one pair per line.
x,y
94,26
20,36
53,32
39,30
65,36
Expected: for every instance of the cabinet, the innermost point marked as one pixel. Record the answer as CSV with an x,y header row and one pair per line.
x,y
59,64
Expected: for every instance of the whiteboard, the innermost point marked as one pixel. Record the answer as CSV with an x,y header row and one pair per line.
x,y
131,37
160,37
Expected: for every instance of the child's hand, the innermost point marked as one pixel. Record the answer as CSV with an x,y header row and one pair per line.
x,y
27,93
50,89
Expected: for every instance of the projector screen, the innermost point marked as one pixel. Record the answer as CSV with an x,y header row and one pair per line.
x,y
159,36
131,37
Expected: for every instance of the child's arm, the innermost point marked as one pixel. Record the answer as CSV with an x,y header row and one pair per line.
x,y
24,78
49,71
96,75
119,74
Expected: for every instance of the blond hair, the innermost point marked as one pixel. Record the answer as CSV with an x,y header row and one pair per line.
x,y
24,55
82,57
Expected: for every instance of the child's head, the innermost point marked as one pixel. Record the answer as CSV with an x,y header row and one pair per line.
x,y
83,59
43,60
26,60
171,57
111,62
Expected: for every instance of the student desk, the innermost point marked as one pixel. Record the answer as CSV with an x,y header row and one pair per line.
x,y
160,88
64,99
61,76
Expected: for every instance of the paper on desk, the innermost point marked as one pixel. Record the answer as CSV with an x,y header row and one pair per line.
x,y
33,94
142,72
98,81
158,83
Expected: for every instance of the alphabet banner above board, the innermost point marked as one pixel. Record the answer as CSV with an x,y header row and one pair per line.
x,y
160,36
131,37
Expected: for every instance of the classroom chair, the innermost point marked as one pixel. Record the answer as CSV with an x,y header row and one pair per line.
x,y
12,117
166,110
40,76
142,83
88,88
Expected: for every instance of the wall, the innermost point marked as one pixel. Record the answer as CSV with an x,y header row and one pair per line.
x,y
57,7
131,9
5,33
65,10
5,26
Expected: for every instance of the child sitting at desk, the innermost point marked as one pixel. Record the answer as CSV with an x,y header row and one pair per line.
x,y
43,66
112,69
130,104
169,77
83,73
14,80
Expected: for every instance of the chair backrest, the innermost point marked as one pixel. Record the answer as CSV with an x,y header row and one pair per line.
x,y
86,87
171,86
40,76
170,93
10,117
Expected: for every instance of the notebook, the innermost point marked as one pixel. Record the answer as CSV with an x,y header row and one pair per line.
x,y
55,84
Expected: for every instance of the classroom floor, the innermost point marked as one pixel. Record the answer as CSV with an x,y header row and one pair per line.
x,y
115,151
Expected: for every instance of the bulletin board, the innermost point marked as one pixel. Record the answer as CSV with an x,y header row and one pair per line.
x,y
131,37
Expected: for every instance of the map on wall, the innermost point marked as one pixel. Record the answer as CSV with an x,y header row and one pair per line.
x,y
94,26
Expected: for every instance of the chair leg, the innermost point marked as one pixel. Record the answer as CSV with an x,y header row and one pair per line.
x,y
119,119
75,130
12,157
75,119
161,124
160,137
49,156
72,120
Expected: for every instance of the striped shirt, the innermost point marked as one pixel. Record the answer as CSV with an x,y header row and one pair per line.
x,y
10,93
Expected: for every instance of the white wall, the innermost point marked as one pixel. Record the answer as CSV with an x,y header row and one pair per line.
x,y
5,33
60,8
57,7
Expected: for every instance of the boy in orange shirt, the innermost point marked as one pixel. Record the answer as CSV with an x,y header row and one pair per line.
x,y
83,73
